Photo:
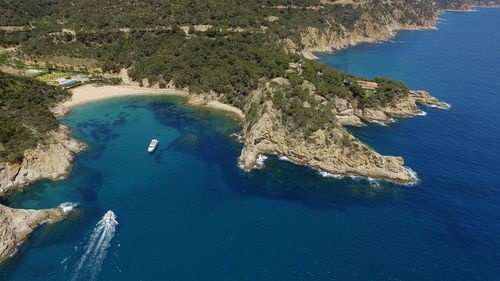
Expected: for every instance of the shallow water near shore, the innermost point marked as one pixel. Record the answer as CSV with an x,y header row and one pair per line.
x,y
187,212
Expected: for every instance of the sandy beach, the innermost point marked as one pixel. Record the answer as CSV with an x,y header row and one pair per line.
x,y
92,93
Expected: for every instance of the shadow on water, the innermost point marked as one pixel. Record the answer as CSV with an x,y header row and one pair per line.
x,y
207,134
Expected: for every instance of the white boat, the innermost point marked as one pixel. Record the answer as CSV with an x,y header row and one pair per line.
x,y
109,217
152,145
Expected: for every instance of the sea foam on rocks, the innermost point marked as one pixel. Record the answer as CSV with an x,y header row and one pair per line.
x,y
68,206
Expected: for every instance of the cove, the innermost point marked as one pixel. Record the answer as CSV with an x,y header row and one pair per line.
x,y
187,212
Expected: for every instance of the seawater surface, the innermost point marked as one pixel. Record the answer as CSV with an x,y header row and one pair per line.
x,y
187,212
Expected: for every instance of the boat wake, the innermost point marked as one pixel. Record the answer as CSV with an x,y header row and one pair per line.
x,y
89,265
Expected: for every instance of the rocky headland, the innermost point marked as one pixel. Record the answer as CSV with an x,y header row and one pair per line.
x,y
316,40
382,25
331,148
50,160
16,225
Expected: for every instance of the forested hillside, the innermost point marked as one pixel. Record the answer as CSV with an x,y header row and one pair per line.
x,y
25,115
249,54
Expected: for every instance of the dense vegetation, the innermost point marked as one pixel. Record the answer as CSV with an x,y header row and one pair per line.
x,y
25,115
300,111
222,46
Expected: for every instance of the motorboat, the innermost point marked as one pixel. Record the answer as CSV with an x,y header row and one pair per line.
x,y
109,217
152,145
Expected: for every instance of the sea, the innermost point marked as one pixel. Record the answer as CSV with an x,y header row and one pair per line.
x,y
187,212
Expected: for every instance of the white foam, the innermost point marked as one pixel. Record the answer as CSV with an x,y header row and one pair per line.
x,y
328,175
422,113
378,122
238,137
284,158
260,160
241,165
374,183
356,178
433,105
68,206
414,175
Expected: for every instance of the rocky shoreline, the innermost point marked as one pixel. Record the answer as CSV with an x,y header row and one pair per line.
x,y
316,41
51,160
327,41
333,150
16,225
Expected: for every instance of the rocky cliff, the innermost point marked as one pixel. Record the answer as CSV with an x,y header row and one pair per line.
x,y
50,160
377,21
349,114
331,148
16,225
365,31
362,21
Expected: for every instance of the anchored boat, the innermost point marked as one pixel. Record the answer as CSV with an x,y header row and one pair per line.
x,y
152,146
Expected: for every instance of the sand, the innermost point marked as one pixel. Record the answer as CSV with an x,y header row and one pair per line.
x,y
92,93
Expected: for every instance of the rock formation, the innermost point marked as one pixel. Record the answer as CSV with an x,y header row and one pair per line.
x,y
50,160
331,149
16,225
407,106
316,40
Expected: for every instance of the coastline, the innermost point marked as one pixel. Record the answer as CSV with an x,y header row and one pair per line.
x,y
17,225
355,39
330,44
52,160
91,93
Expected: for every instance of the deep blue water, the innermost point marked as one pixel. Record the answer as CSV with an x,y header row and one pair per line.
x,y
187,212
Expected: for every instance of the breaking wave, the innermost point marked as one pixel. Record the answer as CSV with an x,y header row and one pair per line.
x,y
284,158
328,175
68,206
414,175
261,159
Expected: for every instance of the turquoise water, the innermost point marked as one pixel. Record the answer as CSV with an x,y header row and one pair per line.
x,y
187,212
